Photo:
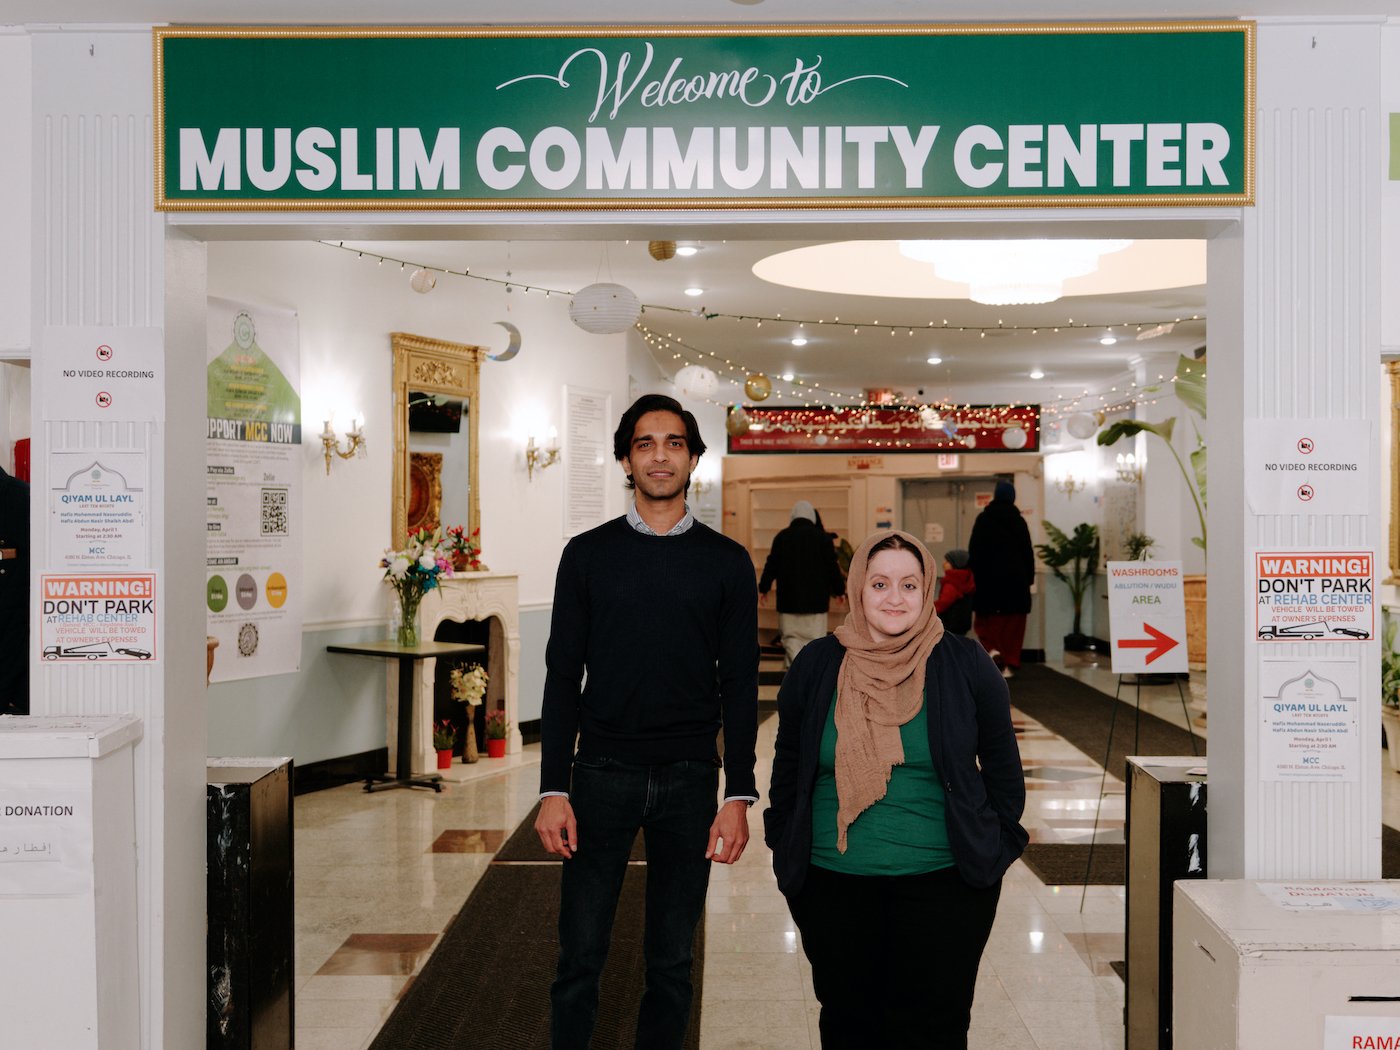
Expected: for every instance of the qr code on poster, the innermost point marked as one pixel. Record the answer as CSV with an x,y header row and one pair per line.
x,y
274,512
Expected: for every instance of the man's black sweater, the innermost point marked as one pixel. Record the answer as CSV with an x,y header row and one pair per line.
x,y
666,628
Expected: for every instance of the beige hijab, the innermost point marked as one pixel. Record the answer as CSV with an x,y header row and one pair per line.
x,y
879,688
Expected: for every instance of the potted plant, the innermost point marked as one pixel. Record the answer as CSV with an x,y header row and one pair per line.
x,y
464,548
1072,558
1138,546
496,729
444,738
1390,690
468,687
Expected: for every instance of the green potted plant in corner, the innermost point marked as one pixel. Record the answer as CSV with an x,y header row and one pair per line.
x,y
1072,558
444,738
1390,690
496,729
1138,546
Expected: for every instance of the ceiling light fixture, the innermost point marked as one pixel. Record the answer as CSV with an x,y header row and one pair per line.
x,y
935,360
1108,340
799,340
1003,273
786,377
694,291
686,250
1037,374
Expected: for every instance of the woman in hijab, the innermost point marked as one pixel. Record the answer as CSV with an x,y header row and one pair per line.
x,y
896,799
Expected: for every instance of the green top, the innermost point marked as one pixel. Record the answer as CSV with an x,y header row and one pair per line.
x,y
902,834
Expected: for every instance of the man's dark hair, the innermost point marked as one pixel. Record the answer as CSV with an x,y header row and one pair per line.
x,y
622,438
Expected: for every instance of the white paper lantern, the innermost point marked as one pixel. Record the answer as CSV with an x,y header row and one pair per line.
x,y
1013,437
605,309
422,281
1081,425
696,381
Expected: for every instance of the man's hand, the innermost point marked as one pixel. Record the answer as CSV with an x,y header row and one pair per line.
x,y
556,827
729,834
763,599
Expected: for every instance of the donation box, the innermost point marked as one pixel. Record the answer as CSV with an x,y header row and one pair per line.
x,y
68,966
1310,965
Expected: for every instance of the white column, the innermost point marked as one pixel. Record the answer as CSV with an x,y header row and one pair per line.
x,y
100,257
1294,331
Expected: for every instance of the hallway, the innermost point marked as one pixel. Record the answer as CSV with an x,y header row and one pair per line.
x,y
380,876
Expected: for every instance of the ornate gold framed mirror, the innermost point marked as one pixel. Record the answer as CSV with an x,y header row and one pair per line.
x,y
436,384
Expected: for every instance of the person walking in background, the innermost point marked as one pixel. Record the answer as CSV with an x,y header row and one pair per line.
x,y
895,810
14,595
653,650
802,562
954,601
1003,565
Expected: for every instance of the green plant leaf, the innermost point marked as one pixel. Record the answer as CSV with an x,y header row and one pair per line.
x,y
1191,383
1115,432
1199,542
1198,467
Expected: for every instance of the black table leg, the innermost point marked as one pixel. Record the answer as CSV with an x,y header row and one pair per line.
x,y
403,772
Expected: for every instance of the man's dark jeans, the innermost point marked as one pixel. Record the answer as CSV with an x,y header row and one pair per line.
x,y
675,804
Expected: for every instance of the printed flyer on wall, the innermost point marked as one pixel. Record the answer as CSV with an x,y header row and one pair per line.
x,y
1309,728
107,617
253,590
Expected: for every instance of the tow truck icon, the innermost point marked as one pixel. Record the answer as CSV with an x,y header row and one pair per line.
x,y
1315,629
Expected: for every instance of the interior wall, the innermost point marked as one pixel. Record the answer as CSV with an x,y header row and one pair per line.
x,y
16,121
346,307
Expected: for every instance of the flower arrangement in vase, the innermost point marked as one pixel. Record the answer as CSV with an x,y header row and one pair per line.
x,y
444,738
464,548
468,687
496,729
413,572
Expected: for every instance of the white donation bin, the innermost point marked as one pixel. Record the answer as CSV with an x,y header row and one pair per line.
x,y
68,883
1304,965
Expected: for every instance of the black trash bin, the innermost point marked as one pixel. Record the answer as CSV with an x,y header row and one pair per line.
x,y
1166,835
251,938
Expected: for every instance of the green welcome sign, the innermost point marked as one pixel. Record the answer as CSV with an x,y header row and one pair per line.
x,y
687,117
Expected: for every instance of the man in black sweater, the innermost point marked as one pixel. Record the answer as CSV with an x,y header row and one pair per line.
x,y
802,562
660,613
14,595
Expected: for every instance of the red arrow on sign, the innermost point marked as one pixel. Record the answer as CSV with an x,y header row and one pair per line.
x,y
1159,643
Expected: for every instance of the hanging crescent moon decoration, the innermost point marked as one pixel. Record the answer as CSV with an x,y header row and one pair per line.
x,y
514,347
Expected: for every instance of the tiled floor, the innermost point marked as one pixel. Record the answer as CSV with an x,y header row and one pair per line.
x,y
379,876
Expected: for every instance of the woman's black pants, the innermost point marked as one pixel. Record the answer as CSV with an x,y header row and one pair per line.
x,y
894,958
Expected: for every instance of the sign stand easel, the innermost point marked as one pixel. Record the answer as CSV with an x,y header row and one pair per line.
x,y
1147,618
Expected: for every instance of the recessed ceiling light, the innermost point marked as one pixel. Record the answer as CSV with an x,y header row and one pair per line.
x,y
1108,340
935,360
786,377
799,340
686,249
695,291
1037,374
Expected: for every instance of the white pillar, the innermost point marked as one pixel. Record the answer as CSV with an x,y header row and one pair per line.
x,y
100,257
1293,303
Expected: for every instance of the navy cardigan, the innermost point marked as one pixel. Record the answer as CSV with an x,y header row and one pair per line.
x,y
970,737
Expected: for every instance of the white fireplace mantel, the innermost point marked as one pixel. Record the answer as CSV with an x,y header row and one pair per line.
x,y
489,596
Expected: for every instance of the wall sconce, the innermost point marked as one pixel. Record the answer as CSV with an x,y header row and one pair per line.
x,y
1069,485
355,439
700,486
1130,468
537,458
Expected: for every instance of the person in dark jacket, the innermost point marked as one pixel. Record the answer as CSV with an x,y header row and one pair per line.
x,y
1003,564
895,810
954,601
802,562
14,595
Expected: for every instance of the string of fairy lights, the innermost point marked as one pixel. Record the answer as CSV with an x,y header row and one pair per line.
x,y
1122,395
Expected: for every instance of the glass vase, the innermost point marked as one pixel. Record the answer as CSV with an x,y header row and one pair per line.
x,y
408,617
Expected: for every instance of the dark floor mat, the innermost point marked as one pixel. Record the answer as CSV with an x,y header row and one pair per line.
x,y
487,982
1066,863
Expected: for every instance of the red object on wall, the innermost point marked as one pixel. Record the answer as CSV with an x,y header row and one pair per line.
x,y
965,429
22,459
